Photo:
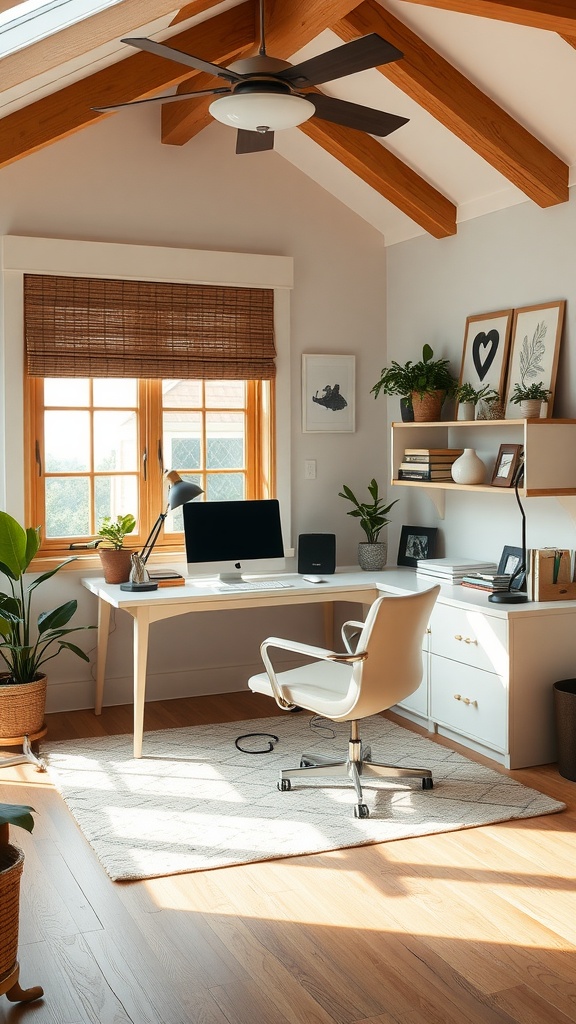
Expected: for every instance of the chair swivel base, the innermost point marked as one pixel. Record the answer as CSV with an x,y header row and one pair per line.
x,y
319,766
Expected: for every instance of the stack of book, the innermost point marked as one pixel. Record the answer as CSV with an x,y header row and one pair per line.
x,y
489,582
452,570
428,463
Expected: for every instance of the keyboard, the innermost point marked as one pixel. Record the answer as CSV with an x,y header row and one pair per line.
x,y
252,585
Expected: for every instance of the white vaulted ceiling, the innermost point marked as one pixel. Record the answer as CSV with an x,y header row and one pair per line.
x,y
488,87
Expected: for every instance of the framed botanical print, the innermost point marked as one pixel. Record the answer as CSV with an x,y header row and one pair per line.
x,y
328,394
485,352
536,333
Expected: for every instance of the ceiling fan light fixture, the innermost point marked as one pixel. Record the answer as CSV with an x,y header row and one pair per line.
x,y
260,112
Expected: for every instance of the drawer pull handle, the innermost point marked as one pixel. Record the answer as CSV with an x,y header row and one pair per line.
x,y
466,700
466,639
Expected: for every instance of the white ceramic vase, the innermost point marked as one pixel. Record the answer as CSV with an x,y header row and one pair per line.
x,y
468,468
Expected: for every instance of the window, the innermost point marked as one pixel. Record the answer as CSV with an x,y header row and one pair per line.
x,y
99,446
101,436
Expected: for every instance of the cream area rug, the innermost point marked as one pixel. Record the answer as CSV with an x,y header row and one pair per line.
x,y
194,801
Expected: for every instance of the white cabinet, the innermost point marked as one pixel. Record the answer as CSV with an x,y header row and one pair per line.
x,y
490,671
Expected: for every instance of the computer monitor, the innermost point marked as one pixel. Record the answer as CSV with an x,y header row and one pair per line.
x,y
229,538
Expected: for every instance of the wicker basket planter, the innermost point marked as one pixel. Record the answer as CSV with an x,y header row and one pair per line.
x,y
11,865
22,709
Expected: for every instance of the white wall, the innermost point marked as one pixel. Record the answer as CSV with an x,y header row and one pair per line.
x,y
518,257
116,182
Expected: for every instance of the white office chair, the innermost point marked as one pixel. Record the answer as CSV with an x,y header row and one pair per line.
x,y
384,667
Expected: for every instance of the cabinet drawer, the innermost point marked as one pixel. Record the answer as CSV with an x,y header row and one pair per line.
x,y
469,701
471,637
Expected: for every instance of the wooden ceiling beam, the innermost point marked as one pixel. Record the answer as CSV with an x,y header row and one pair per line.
x,y
553,15
461,107
386,174
289,24
69,110
73,42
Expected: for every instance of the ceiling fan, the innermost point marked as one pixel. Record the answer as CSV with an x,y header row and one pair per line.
x,y
263,94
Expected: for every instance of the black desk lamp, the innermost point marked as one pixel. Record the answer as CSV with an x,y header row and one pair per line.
x,y
510,596
179,493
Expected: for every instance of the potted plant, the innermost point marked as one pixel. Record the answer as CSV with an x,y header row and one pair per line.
x,y
115,558
11,865
468,398
24,649
372,515
529,398
426,384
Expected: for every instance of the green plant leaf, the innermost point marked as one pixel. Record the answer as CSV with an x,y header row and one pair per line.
x,y
12,546
57,617
17,814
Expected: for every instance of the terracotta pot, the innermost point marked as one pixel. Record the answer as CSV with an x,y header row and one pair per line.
x,y
22,709
116,564
428,408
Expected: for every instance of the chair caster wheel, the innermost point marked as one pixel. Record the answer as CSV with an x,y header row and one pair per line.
x,y
427,783
361,811
284,785
304,763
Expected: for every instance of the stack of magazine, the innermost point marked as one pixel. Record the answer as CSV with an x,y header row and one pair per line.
x,y
428,463
489,582
452,570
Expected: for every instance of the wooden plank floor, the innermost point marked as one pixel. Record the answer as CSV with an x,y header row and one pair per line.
x,y
471,927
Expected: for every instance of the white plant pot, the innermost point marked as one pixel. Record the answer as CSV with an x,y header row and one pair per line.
x,y
531,409
469,468
466,411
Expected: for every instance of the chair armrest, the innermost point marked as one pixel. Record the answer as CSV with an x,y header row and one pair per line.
x,y
308,650
349,629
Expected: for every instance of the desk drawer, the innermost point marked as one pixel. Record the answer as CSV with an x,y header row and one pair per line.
x,y
469,701
471,637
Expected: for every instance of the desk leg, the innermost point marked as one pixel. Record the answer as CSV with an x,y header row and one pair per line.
x,y
104,610
141,629
328,609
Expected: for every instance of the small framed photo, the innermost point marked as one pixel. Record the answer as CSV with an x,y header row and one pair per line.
x,y
485,353
506,464
416,542
328,384
510,562
536,333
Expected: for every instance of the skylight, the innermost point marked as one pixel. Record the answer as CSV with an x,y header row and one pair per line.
x,y
26,23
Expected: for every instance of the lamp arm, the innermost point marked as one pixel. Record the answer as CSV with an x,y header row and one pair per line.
x,y
153,537
522,567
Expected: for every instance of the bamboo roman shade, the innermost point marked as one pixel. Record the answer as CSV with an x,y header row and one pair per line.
x,y
92,327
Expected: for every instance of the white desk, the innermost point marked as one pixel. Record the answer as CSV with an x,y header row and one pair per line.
x,y
488,668
166,602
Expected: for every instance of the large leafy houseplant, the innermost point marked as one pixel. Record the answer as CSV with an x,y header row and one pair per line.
x,y
372,514
416,382
23,649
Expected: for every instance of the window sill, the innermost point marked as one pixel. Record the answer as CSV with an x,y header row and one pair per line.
x,y
83,561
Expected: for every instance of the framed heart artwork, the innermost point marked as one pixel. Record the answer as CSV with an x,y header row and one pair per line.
x,y
485,353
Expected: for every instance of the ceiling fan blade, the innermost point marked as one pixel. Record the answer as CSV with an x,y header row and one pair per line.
x,y
358,55
352,115
176,98
161,50
254,142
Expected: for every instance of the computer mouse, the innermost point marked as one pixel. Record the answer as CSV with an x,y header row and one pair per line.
x,y
313,579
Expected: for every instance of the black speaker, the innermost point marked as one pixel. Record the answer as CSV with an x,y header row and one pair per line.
x,y
317,552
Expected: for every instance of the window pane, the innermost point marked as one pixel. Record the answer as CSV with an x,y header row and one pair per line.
x,y
67,507
117,391
115,496
225,440
66,442
174,522
182,394
225,487
182,440
66,391
225,394
115,440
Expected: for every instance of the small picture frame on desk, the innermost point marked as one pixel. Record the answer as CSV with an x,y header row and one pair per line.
x,y
506,464
416,542
510,560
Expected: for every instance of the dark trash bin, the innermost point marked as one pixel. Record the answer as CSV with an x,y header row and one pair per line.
x,y
565,720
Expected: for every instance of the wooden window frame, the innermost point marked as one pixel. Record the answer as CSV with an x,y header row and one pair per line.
x,y
260,459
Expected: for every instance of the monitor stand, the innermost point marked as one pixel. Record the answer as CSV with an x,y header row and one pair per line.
x,y
231,577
